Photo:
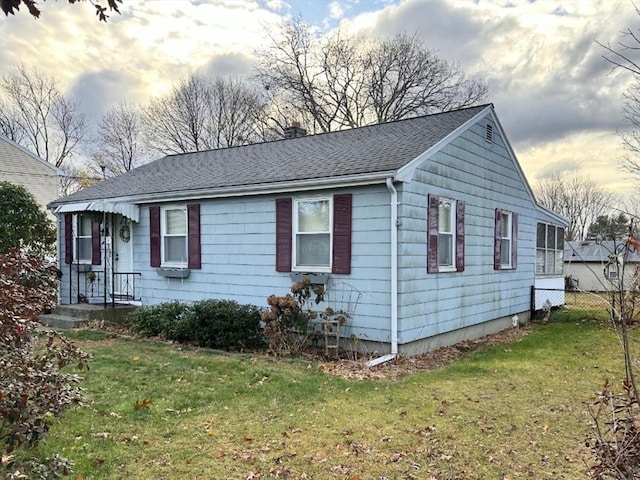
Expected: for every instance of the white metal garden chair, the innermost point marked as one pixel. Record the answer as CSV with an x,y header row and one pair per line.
x,y
342,300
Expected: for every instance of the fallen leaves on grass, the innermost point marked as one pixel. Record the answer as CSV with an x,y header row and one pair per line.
x,y
400,366
145,403
339,469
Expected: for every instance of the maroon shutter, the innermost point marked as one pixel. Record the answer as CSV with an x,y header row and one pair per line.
x,y
193,235
154,236
497,241
433,203
514,240
68,238
460,236
284,233
95,241
341,234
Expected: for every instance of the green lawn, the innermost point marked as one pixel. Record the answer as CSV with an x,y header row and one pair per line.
x,y
507,412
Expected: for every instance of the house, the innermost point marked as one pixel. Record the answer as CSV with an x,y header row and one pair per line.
x,y
598,266
21,167
431,219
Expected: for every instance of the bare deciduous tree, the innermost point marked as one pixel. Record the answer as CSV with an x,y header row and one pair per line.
x,y
407,80
119,143
236,110
39,117
631,135
614,431
344,82
202,114
76,178
577,198
9,125
625,55
621,55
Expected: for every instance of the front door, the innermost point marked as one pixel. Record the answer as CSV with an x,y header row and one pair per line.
x,y
123,277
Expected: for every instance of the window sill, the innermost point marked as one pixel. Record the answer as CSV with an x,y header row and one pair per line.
x,y
173,272
84,266
442,269
317,278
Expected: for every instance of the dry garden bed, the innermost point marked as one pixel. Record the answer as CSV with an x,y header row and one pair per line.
x,y
358,369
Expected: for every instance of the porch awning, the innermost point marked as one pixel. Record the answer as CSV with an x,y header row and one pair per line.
x,y
129,210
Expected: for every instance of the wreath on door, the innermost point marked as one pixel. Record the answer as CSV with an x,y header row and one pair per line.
x,y
125,230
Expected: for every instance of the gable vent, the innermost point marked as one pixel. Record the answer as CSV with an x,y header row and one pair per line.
x,y
489,133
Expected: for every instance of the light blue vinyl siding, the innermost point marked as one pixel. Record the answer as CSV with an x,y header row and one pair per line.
x,y
483,176
238,247
238,257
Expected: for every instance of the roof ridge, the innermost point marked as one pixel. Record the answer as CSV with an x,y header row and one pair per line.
x,y
358,153
334,132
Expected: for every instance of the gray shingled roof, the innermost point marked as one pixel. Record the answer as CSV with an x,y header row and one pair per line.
x,y
377,148
592,251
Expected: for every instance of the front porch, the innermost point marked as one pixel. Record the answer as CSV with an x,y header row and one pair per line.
x,y
99,286
97,256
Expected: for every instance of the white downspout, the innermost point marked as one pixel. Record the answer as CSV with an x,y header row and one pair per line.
x,y
394,278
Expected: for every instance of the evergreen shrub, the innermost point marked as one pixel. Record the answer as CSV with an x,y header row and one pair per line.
x,y
223,324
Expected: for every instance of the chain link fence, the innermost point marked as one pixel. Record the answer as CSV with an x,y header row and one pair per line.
x,y
591,304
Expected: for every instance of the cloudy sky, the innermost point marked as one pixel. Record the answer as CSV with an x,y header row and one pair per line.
x,y
557,99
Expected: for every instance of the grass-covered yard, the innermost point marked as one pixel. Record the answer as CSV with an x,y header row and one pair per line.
x,y
506,412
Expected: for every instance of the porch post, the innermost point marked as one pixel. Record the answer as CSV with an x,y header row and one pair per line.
x,y
104,257
76,257
113,263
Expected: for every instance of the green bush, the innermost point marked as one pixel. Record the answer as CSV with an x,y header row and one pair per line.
x,y
158,320
223,324
23,223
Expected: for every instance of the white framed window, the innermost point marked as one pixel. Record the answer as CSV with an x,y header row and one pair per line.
x,y
173,232
446,233
312,232
506,239
549,249
83,243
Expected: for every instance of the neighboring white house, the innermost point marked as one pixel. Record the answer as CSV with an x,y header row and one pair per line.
x,y
597,267
21,167
431,219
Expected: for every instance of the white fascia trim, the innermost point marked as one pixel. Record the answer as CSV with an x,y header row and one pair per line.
x,y
262,189
550,213
512,155
405,174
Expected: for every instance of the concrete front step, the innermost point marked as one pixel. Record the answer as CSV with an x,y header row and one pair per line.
x,y
65,317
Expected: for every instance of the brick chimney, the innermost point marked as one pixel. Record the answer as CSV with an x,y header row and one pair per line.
x,y
295,130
